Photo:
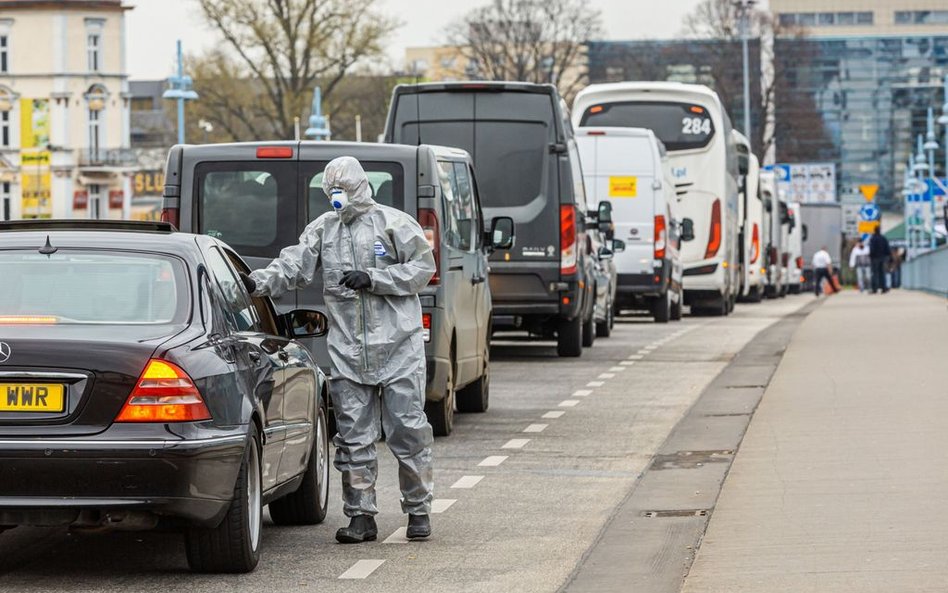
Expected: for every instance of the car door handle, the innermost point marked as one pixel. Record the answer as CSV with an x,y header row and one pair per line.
x,y
254,356
477,279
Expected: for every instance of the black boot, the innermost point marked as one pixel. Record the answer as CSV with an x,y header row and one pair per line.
x,y
419,526
361,528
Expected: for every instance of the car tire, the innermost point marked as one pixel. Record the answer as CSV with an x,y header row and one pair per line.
x,y
234,545
310,503
569,338
589,331
661,308
604,328
475,397
677,307
441,413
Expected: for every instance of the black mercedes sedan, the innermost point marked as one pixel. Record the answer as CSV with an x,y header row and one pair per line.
x,y
140,382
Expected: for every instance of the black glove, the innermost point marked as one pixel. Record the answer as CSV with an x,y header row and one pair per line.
x,y
249,284
356,280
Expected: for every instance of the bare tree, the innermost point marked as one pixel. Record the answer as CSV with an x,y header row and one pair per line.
x,y
274,51
528,40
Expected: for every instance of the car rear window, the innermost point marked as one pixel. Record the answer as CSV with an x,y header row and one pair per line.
x,y
386,179
681,126
91,287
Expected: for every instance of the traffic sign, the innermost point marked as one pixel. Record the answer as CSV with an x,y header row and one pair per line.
x,y
869,191
869,213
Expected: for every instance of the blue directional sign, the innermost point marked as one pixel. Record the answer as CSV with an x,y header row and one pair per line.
x,y
869,212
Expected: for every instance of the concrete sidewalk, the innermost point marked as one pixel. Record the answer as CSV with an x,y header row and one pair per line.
x,y
841,481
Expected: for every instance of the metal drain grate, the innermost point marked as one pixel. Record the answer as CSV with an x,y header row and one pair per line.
x,y
676,513
690,459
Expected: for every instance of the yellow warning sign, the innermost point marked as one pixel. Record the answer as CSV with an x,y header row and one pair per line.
x,y
867,226
623,187
869,191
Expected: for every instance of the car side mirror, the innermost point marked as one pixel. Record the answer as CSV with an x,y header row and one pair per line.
x,y
618,245
306,323
687,229
502,232
805,232
605,253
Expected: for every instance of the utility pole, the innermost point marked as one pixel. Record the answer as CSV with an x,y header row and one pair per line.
x,y
180,90
744,7
931,145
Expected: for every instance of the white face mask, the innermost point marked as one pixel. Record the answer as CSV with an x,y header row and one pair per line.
x,y
338,198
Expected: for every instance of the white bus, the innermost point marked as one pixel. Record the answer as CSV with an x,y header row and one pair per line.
x,y
773,236
692,123
751,209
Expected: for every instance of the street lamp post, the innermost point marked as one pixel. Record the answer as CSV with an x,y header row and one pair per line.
x,y
744,7
943,120
931,145
920,168
180,90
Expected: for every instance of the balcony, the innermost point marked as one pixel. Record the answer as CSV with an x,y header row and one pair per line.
x,y
106,158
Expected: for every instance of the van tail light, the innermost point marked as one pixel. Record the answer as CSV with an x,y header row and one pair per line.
x,y
275,152
568,236
714,236
172,215
785,259
660,236
426,326
164,393
429,224
755,244
799,262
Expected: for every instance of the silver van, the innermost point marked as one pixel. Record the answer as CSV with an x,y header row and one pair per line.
x,y
258,197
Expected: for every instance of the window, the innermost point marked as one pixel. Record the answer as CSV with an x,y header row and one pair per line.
x,y
807,19
788,19
5,199
826,18
250,205
240,312
5,129
94,135
681,126
466,210
903,17
864,18
95,201
4,54
93,42
386,180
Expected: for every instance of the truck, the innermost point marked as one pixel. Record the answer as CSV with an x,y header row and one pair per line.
x,y
822,225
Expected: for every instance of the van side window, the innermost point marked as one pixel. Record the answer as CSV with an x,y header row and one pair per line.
x,y
453,223
467,223
238,308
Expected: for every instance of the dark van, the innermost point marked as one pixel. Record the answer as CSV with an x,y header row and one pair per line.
x,y
527,164
258,197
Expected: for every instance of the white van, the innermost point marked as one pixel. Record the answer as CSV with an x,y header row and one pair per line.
x,y
795,249
773,235
629,168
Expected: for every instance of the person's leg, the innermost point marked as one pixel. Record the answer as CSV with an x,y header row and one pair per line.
x,y
409,436
818,281
865,277
356,407
876,275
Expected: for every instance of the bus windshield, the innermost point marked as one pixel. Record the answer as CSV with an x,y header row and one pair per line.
x,y
681,126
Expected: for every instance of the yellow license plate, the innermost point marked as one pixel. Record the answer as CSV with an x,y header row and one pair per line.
x,y
32,397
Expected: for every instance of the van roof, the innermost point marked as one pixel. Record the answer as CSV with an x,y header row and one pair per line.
x,y
696,91
332,146
476,86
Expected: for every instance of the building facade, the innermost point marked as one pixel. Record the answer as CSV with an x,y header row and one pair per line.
x,y
64,110
871,69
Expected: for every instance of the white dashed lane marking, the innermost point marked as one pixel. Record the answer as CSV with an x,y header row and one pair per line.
x,y
635,357
606,375
568,403
362,569
617,369
493,461
554,414
582,392
515,443
399,537
535,428
467,481
627,362
440,505
595,384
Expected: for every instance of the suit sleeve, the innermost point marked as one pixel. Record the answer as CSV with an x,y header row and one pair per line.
x,y
416,262
295,267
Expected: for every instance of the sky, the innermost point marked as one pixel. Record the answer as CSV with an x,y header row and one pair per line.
x,y
154,25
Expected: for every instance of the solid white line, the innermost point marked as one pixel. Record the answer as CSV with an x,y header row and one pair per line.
x,y
362,569
607,375
616,369
595,384
535,428
493,461
515,444
440,505
582,392
635,357
399,537
467,481
553,415
568,403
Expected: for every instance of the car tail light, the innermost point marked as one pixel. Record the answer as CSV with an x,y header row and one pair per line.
x,y
568,236
426,325
274,152
429,224
164,393
755,244
660,237
172,215
714,237
799,262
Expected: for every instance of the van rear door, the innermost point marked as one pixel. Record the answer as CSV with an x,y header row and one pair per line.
x,y
621,169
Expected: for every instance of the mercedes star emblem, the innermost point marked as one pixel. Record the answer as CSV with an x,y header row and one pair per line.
x,y
4,352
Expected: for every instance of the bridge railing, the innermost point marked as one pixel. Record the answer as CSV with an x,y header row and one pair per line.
x,y
928,272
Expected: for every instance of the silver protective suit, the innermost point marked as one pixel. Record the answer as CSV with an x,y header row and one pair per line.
x,y
376,346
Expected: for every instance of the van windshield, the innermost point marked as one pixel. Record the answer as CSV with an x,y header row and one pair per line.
x,y
680,126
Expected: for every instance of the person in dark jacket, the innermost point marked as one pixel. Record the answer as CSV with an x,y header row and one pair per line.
x,y
879,253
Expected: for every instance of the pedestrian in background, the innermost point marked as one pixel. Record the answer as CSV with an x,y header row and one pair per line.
x,y
879,254
822,268
895,268
859,261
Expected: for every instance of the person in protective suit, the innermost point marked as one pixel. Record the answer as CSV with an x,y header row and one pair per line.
x,y
374,261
